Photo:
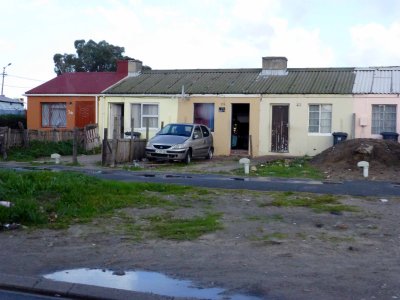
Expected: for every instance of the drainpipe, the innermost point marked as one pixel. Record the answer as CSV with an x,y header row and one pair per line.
x,y
96,110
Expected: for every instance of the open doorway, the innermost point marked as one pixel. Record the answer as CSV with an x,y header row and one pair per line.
x,y
116,120
240,127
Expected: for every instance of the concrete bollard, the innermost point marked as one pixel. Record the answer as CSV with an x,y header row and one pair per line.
x,y
56,157
246,163
365,165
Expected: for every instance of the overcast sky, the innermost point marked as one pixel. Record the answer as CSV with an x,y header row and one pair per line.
x,y
198,34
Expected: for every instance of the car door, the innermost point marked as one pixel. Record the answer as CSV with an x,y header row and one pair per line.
x,y
208,140
198,142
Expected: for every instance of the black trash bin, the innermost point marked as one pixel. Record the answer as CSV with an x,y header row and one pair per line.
x,y
136,135
393,136
339,137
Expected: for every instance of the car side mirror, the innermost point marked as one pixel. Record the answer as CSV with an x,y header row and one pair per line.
x,y
195,136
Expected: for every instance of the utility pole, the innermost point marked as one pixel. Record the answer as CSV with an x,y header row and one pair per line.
x,y
4,74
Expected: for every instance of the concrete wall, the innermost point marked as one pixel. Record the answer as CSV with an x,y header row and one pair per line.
x,y
168,111
223,118
363,113
301,142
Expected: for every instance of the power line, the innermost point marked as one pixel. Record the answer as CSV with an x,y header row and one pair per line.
x,y
19,87
27,78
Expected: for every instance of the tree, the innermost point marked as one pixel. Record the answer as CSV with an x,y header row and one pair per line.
x,y
90,57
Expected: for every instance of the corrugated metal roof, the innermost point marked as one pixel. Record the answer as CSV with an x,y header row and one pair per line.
x,y
10,100
238,81
377,80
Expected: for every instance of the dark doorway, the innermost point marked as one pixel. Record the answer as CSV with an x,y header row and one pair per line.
x,y
280,130
240,126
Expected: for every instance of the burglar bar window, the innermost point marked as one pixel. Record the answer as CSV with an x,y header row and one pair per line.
x,y
383,118
320,118
54,115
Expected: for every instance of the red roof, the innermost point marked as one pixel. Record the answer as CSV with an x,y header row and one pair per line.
x,y
82,82
78,83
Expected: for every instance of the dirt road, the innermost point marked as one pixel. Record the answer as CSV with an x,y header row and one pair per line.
x,y
265,251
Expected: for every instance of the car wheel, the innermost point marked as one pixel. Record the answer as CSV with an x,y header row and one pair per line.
x,y
188,157
210,153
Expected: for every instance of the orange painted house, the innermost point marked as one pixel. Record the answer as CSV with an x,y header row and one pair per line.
x,y
70,99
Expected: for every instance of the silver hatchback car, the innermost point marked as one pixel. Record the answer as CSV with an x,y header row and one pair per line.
x,y
181,142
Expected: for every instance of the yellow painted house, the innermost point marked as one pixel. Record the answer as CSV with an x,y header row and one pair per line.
x,y
259,111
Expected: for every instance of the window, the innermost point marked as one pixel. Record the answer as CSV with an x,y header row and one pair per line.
x,y
143,113
320,118
54,115
205,131
204,114
383,118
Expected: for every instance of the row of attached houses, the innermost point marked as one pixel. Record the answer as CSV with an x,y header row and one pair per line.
x,y
258,111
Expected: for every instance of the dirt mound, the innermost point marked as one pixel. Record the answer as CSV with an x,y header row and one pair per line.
x,y
340,161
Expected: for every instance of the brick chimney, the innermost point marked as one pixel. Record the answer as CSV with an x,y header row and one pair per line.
x,y
274,65
129,67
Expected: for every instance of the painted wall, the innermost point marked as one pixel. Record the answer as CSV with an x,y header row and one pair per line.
x,y
301,142
223,118
363,113
34,110
168,111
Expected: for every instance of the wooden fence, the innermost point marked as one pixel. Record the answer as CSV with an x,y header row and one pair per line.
x,y
88,137
117,151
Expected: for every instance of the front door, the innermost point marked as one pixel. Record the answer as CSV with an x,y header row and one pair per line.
x,y
116,121
280,129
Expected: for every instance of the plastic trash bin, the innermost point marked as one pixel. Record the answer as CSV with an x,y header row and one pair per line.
x,y
136,135
339,137
393,136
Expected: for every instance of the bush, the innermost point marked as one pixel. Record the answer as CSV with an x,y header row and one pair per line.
x,y
11,121
38,149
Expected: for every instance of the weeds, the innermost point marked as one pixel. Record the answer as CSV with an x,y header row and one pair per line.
x,y
184,229
288,168
38,149
318,203
58,199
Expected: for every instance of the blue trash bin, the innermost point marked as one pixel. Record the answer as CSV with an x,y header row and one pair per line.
x,y
339,137
393,136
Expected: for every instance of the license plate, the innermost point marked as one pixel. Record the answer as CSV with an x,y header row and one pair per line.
x,y
161,151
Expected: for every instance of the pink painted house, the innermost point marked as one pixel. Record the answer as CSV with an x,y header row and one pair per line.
x,y
376,101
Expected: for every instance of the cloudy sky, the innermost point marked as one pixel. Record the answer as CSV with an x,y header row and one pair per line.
x,y
198,33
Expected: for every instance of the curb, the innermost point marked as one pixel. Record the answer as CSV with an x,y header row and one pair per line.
x,y
42,286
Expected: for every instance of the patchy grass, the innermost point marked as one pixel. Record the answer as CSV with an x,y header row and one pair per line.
x,y
318,203
184,229
59,199
288,168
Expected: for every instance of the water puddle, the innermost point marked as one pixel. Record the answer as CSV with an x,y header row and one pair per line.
x,y
143,281
178,176
240,179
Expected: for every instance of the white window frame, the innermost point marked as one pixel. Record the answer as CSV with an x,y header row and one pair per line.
x,y
382,126
51,107
142,124
320,119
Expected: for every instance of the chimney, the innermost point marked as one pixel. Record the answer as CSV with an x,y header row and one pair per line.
x,y
129,67
274,65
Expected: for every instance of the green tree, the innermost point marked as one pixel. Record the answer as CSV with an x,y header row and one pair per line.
x,y
90,57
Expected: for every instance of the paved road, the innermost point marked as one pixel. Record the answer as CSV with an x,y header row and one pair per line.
x,y
13,295
354,188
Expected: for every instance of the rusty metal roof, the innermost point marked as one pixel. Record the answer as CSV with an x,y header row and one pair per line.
x,y
238,81
377,80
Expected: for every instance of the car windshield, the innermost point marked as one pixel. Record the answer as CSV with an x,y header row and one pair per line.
x,y
177,129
